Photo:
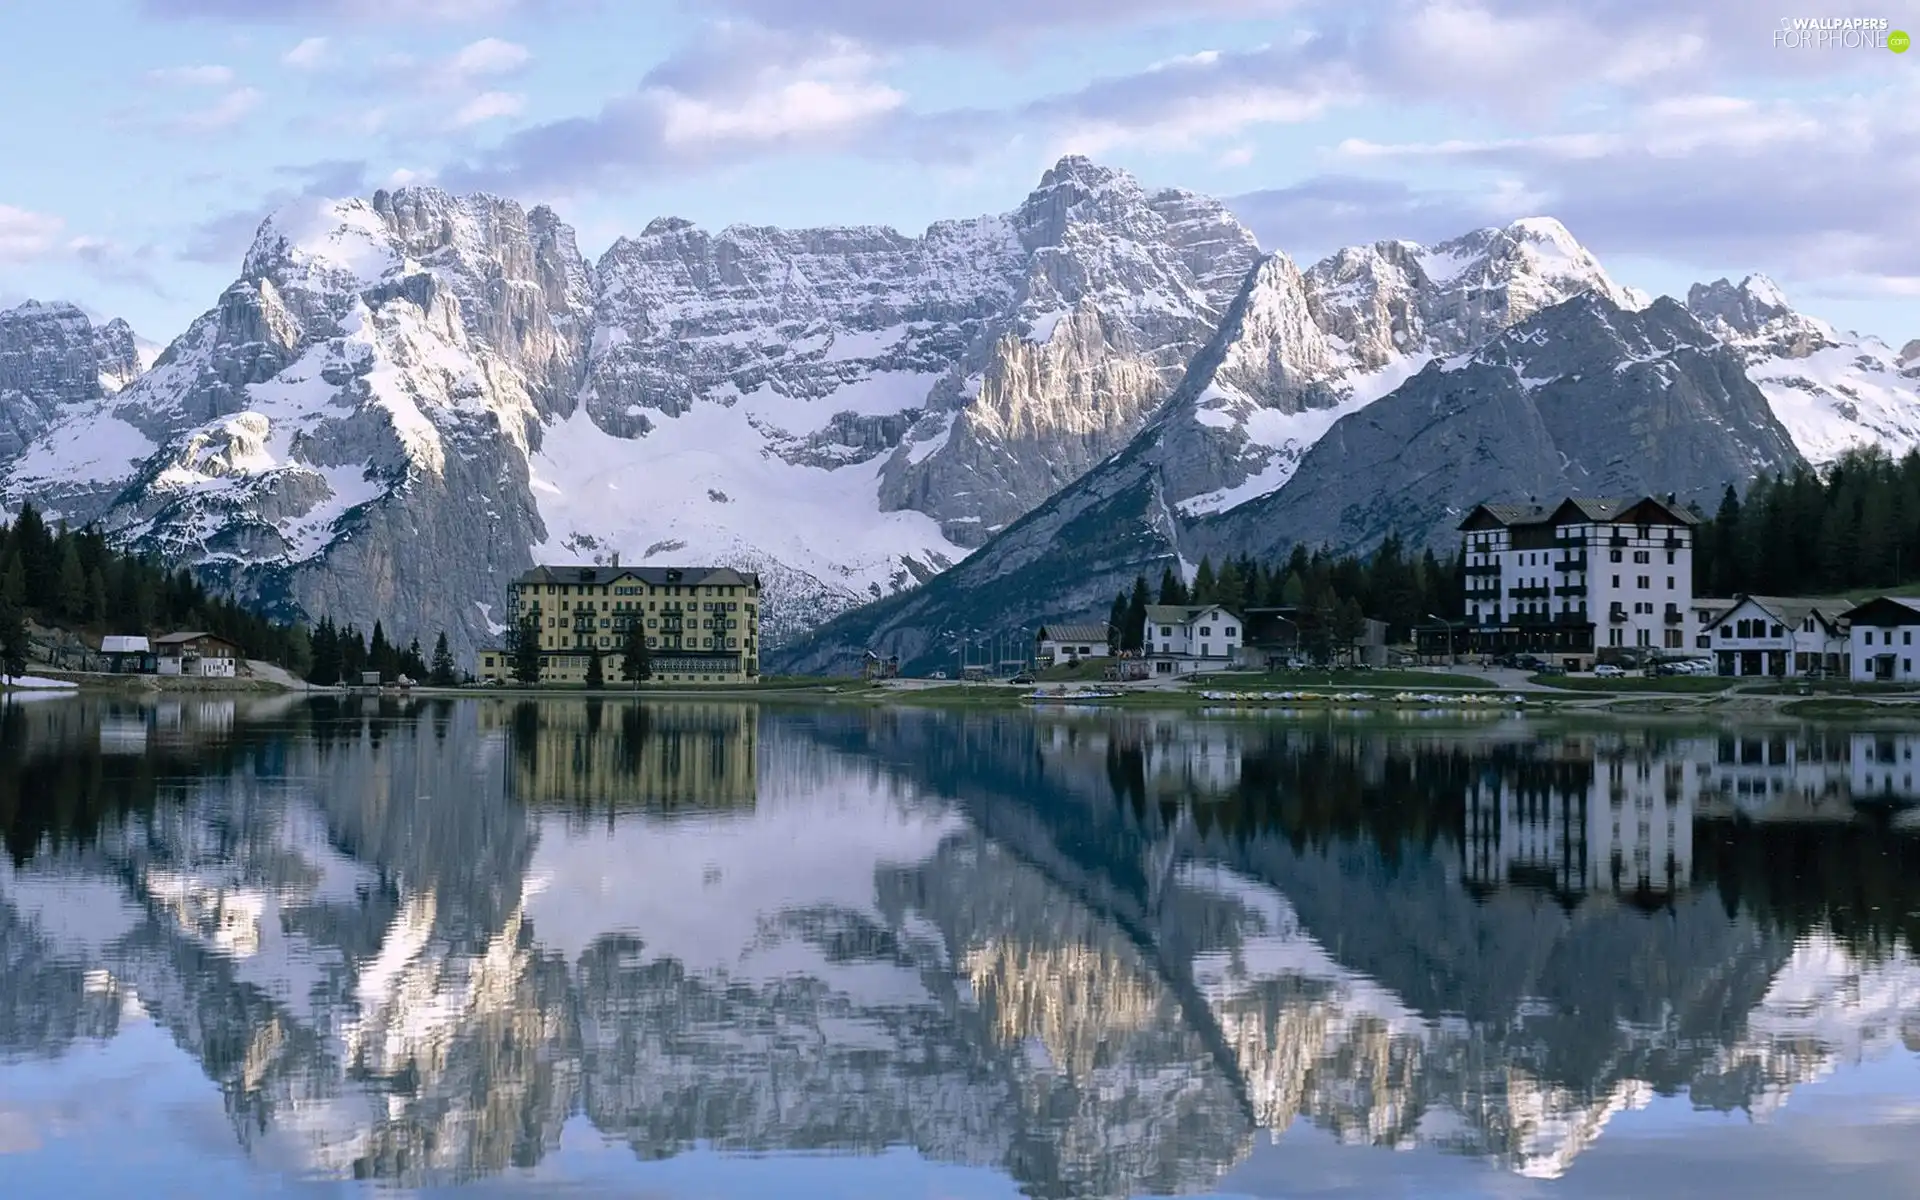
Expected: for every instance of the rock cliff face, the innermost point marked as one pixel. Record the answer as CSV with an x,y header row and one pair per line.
x,y
1834,391
1584,397
52,358
406,400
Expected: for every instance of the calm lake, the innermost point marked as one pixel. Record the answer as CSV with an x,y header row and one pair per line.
x,y
717,949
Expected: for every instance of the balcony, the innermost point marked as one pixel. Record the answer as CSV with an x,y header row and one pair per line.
x,y
1572,564
1528,593
1571,589
1674,616
1483,569
1618,539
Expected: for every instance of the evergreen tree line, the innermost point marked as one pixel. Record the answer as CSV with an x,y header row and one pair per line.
x,y
1802,533
342,653
71,578
1330,595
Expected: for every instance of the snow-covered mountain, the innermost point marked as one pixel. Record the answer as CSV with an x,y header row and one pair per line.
x,y
406,400
54,358
1834,391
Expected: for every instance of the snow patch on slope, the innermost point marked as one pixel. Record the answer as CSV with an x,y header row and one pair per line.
x,y
796,515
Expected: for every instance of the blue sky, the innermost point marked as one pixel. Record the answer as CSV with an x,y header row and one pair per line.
x,y
147,138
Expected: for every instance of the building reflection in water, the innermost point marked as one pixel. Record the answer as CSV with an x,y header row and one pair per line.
x,y
1096,952
617,754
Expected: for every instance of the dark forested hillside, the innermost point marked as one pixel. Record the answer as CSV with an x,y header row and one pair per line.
x,y
1854,527
72,579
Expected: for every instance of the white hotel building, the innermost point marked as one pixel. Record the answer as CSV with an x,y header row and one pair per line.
x,y
1580,580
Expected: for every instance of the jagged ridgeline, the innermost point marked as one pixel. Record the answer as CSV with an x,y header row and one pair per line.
x,y
405,400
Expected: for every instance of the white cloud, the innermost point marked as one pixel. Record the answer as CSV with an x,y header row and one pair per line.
x,y
25,234
489,106
309,55
210,75
1236,156
488,57
227,112
741,92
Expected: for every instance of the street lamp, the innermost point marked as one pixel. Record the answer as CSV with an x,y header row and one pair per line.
x,y
1296,631
1453,659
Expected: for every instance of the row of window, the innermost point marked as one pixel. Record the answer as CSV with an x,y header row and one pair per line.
x,y
589,589
578,622
1886,637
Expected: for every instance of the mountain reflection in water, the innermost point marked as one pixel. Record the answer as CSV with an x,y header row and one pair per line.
x,y
1094,953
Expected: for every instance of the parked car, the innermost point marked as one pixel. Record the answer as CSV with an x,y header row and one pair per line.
x,y
938,675
1608,671
1023,678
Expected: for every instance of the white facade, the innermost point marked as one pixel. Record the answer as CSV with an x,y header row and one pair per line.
x,y
1764,635
1882,767
1058,643
1881,640
1184,639
1629,830
1623,568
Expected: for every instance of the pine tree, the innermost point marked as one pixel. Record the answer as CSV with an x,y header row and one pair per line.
x,y
636,663
1203,583
1229,590
1116,623
13,640
379,654
326,669
1172,589
413,664
526,651
443,672
13,582
73,583
596,673
96,596
1135,635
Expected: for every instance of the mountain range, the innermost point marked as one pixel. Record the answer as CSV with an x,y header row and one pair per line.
x,y
405,400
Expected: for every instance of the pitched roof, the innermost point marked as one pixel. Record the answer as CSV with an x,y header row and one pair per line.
x,y
1073,633
1591,508
170,639
599,575
1790,610
1713,603
1884,610
1180,614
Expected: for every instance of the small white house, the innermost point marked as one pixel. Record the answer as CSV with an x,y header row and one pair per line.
x,y
1777,636
1182,639
1060,642
203,655
1880,636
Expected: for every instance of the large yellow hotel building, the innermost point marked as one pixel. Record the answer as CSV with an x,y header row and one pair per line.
x,y
702,623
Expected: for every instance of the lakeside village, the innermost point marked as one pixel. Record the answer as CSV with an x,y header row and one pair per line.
x,y
1581,585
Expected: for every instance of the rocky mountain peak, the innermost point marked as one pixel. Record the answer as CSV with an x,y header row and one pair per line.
x,y
1755,314
665,225
54,358
1909,354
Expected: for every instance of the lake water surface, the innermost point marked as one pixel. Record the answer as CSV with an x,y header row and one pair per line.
x,y
732,950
